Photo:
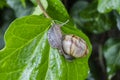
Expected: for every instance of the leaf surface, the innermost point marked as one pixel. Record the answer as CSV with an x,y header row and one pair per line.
x,y
28,56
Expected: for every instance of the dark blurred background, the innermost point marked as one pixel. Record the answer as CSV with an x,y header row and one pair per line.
x,y
103,31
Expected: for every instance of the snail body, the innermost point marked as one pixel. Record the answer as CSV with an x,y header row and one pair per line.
x,y
70,46
55,36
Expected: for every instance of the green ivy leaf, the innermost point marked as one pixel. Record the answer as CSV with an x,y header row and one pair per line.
x,y
54,8
57,11
27,54
108,5
112,55
22,54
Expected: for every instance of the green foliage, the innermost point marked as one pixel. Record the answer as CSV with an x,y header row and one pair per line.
x,y
89,19
19,7
28,56
57,11
2,4
100,19
27,52
112,54
108,5
23,3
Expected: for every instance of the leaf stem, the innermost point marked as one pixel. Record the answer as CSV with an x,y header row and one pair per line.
x,y
43,9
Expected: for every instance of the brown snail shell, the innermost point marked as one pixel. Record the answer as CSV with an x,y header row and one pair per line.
x,y
74,46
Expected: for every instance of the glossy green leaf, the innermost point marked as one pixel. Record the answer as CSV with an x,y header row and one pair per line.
x,y
54,8
22,54
108,5
28,56
112,55
57,11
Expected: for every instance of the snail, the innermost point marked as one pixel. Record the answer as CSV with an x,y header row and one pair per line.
x,y
70,46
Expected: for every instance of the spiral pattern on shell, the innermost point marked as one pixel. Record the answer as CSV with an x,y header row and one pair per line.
x,y
74,46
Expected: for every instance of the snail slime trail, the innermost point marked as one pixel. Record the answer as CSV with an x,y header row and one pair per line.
x,y
70,46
